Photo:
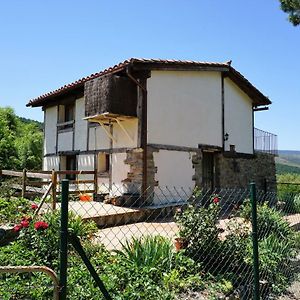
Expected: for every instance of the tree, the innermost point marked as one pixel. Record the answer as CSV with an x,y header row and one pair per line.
x,y
8,152
292,7
21,142
29,147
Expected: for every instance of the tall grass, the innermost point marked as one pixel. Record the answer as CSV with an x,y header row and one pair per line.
x,y
148,252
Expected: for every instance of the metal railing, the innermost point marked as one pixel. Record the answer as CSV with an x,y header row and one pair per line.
x,y
33,269
265,142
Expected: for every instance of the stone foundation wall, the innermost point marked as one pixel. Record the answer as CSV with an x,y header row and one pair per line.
x,y
135,160
232,170
197,165
237,172
151,168
135,176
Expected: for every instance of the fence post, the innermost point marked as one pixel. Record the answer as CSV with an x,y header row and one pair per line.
x,y
95,184
54,181
255,241
74,240
24,179
63,258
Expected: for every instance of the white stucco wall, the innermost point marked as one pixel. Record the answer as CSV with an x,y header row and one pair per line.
x,y
65,140
103,185
98,139
238,118
50,163
121,138
119,172
80,126
184,108
50,130
174,169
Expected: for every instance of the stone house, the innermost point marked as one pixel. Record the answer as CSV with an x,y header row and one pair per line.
x,y
152,122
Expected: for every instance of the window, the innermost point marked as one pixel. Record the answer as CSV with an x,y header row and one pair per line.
x,y
66,116
103,162
71,166
69,112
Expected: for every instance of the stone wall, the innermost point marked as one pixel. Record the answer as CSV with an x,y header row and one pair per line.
x,y
135,176
135,160
197,165
238,172
233,170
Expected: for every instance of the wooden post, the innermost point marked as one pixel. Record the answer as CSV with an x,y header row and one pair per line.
x,y
24,183
95,184
54,181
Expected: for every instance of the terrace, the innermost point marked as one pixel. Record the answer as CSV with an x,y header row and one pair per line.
x,y
265,142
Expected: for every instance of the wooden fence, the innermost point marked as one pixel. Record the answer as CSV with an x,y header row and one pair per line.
x,y
44,182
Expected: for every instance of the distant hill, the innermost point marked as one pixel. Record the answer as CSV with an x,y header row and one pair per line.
x,y
288,161
29,121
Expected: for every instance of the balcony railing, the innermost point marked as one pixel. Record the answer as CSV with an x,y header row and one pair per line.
x,y
265,142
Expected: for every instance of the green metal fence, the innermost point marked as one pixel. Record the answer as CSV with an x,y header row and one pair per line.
x,y
169,243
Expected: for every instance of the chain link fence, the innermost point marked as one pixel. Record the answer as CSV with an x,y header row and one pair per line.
x,y
172,243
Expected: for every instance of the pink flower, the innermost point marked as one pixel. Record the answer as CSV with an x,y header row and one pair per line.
x,y
34,206
40,225
216,200
25,223
17,227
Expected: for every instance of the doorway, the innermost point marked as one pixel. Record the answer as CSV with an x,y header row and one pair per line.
x,y
208,170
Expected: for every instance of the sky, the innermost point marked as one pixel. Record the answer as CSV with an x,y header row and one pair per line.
x,y
46,44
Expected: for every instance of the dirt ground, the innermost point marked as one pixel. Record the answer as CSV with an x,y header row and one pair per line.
x,y
293,292
113,237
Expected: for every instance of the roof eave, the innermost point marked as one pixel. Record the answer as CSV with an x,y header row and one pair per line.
x,y
139,64
248,88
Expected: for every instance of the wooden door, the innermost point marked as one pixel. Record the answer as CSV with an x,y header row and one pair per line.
x,y
208,167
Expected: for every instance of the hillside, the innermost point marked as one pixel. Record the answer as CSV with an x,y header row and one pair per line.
x,y
288,161
29,121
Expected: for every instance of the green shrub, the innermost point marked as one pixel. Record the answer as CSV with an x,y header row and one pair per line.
x,y
291,203
275,256
269,221
12,209
277,246
148,252
185,274
197,225
152,262
289,194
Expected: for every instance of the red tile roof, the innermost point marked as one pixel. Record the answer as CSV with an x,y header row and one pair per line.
x,y
158,64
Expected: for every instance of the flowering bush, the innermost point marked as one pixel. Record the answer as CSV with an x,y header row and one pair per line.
x,y
40,225
25,222
17,227
34,206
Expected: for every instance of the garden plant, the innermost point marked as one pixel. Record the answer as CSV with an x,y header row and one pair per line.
x,y
217,261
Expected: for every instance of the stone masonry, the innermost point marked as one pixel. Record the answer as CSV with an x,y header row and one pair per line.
x,y
237,172
135,160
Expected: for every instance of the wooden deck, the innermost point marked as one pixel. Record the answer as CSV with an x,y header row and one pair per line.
x,y
108,215
104,215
